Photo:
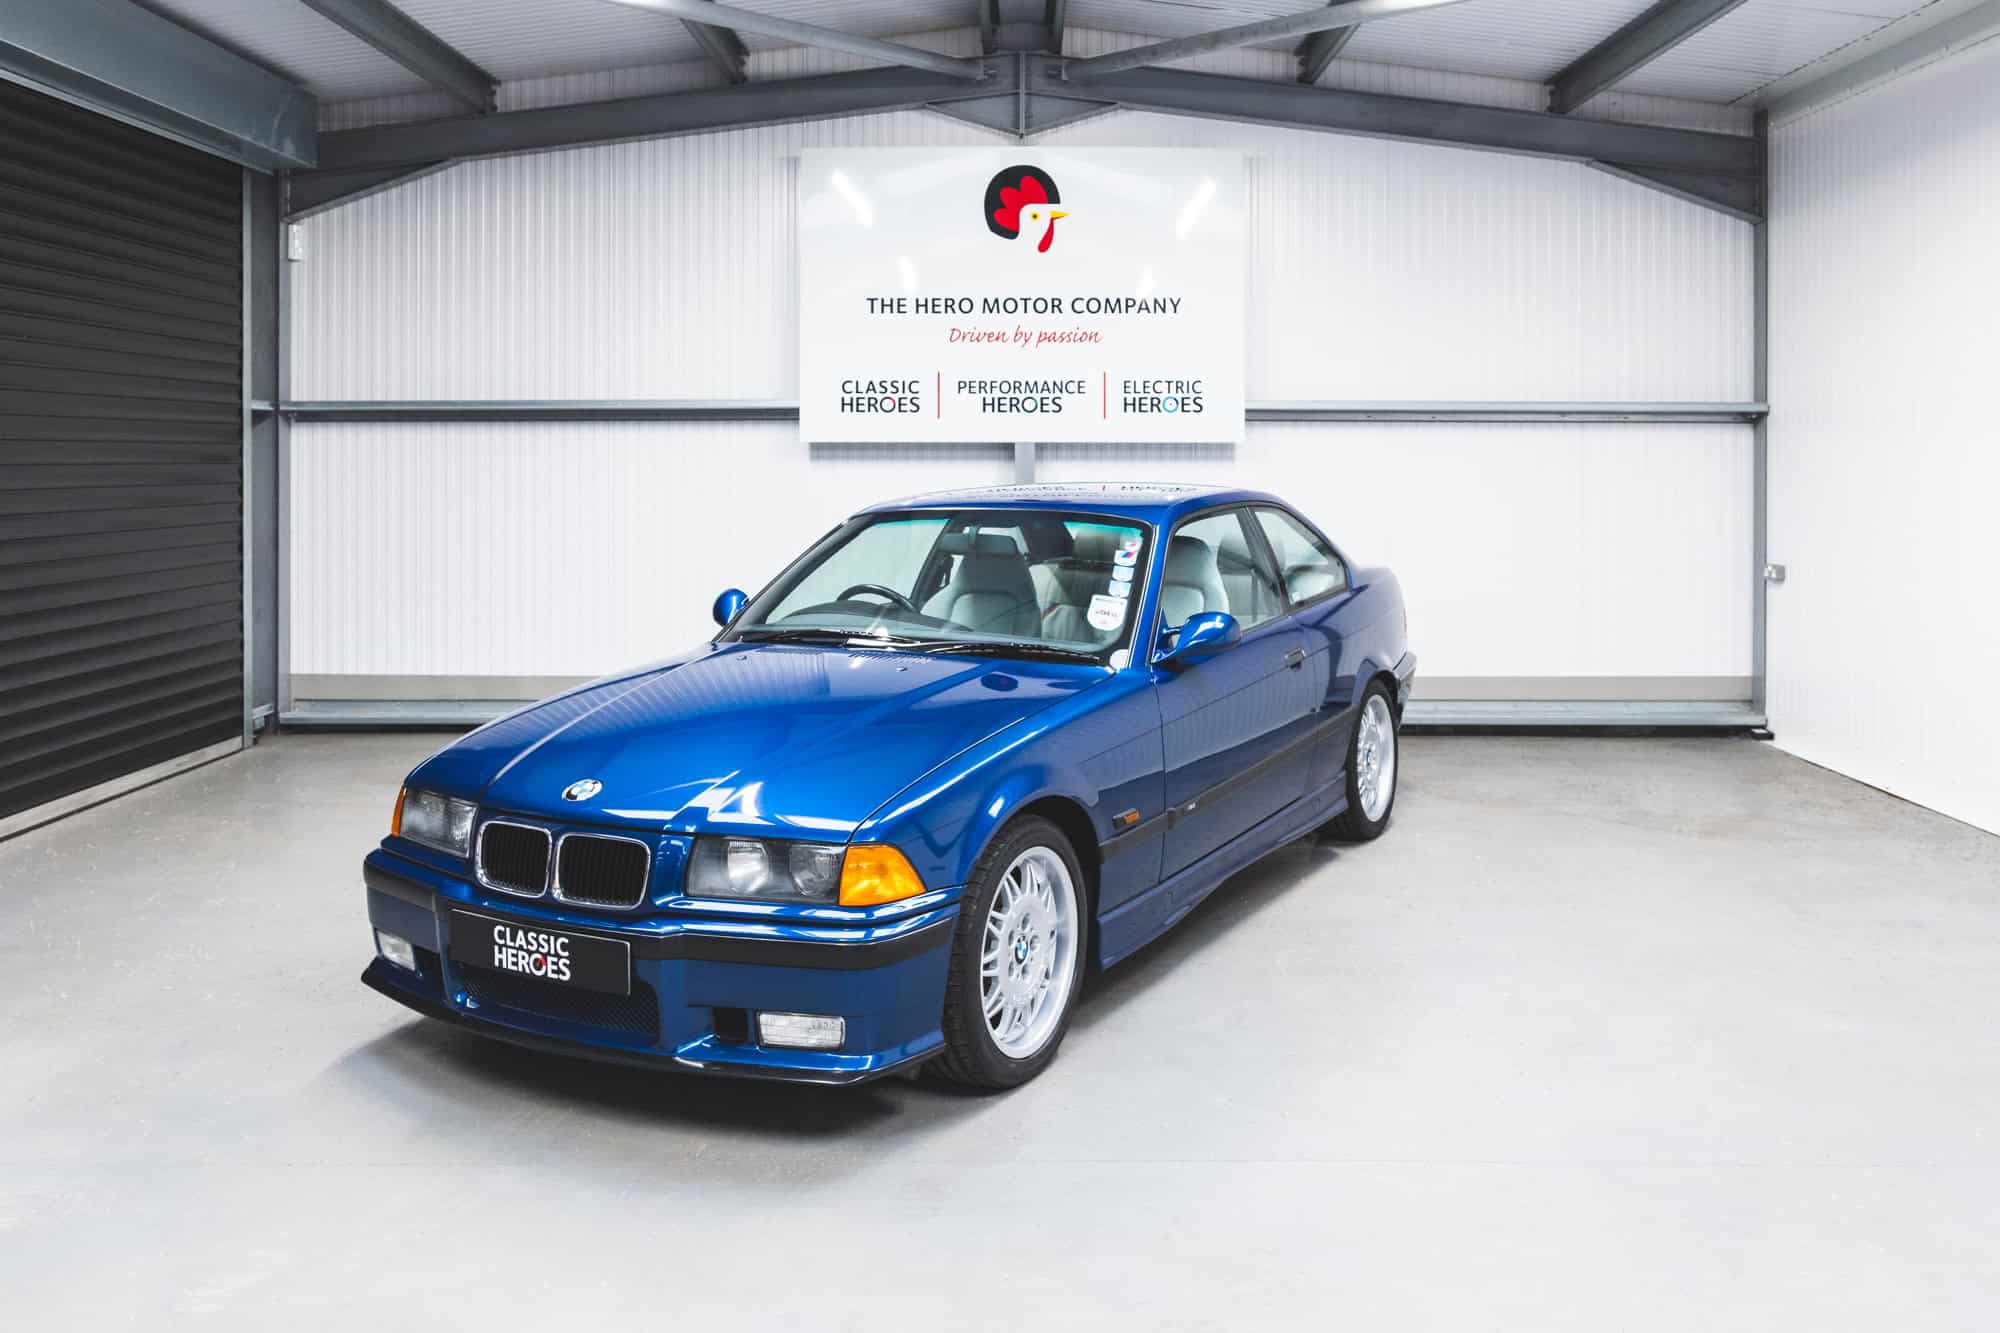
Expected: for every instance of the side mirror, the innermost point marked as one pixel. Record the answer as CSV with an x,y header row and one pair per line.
x,y
1202,637
728,604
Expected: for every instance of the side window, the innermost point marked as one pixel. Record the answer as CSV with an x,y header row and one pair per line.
x,y
1308,565
1211,567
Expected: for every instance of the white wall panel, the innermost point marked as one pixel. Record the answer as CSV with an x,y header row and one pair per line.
x,y
1885,641
665,269
1523,550
542,549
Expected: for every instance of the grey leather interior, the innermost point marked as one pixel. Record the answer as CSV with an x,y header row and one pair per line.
x,y
1191,583
991,591
1251,598
1070,582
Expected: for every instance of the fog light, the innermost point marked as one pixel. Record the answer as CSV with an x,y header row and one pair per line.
x,y
397,950
812,1032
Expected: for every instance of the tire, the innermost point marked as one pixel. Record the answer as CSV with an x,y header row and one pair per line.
x,y
1373,751
1015,894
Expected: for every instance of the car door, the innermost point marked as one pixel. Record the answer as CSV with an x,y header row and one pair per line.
x,y
1321,598
1230,723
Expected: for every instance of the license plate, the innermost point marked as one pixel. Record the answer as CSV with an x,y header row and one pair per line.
x,y
543,952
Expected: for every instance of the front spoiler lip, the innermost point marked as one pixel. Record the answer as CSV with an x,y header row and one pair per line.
x,y
375,977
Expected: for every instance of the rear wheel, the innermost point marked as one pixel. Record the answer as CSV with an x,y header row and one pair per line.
x,y
1373,755
1017,959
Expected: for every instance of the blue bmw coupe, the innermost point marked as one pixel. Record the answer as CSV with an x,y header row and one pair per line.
x,y
965,749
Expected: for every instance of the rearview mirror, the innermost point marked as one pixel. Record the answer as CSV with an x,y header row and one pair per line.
x,y
728,604
1203,636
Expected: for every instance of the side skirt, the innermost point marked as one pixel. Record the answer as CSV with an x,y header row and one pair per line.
x,y
1138,922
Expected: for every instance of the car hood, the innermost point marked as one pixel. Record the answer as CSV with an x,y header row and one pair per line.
x,y
786,740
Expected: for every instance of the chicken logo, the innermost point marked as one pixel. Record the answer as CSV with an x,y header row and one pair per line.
x,y
1021,201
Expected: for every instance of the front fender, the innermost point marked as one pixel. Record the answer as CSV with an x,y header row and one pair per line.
x,y
1100,751
1017,791
946,828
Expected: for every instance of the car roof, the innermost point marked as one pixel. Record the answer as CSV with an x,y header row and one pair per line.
x,y
1152,502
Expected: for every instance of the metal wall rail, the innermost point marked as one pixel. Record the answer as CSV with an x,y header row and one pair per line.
x,y
773,409
1495,714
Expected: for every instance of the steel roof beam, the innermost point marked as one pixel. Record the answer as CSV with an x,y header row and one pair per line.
x,y
1500,129
1722,170
1646,38
724,49
133,65
811,34
821,97
413,46
1318,51
1345,13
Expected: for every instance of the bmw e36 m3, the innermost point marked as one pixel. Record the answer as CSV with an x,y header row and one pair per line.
x,y
966,748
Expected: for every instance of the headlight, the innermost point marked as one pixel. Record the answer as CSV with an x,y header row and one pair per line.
x,y
799,872
434,820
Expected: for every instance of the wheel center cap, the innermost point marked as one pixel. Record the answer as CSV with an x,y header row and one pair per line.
x,y
1020,949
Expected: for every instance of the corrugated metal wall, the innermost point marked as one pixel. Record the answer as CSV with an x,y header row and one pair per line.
x,y
1556,553
121,436
1379,270
1884,641
617,536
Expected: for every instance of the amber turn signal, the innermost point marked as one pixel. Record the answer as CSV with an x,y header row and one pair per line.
x,y
396,820
874,872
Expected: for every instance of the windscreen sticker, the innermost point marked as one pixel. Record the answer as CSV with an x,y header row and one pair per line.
x,y
1127,556
1106,612
1121,590
1122,574
1129,542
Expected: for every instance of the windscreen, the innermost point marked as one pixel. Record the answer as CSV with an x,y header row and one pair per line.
x,y
1031,580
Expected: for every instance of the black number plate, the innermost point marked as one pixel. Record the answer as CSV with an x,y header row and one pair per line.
x,y
544,952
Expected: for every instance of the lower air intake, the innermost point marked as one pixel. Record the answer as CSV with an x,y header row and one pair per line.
x,y
637,1014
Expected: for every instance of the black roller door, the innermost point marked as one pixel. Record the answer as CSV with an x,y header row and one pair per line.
x,y
120,450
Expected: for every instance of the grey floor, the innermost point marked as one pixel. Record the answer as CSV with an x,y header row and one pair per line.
x,y
1606,1034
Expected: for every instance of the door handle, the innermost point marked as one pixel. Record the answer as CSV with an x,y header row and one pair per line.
x,y
1295,659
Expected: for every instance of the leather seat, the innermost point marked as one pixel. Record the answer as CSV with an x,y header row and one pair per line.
x,y
1073,581
1191,583
1250,596
990,591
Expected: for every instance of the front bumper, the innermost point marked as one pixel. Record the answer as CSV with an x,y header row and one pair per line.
x,y
697,984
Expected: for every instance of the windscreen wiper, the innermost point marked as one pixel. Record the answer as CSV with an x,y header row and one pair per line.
x,y
978,648
841,637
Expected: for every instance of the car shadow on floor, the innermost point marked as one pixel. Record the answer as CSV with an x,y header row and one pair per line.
x,y
457,1067
1233,904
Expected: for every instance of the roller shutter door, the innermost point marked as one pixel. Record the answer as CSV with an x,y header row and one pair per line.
x,y
120,451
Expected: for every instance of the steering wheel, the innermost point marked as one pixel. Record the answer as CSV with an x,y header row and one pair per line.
x,y
894,597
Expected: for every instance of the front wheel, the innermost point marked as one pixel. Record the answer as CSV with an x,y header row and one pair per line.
x,y
1372,755
1017,959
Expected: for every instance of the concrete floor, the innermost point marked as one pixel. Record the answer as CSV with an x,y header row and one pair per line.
x,y
1606,1034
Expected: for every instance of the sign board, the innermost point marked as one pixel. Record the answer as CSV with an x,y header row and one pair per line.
x,y
1021,294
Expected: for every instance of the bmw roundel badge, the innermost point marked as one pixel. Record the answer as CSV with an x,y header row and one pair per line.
x,y
583,790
